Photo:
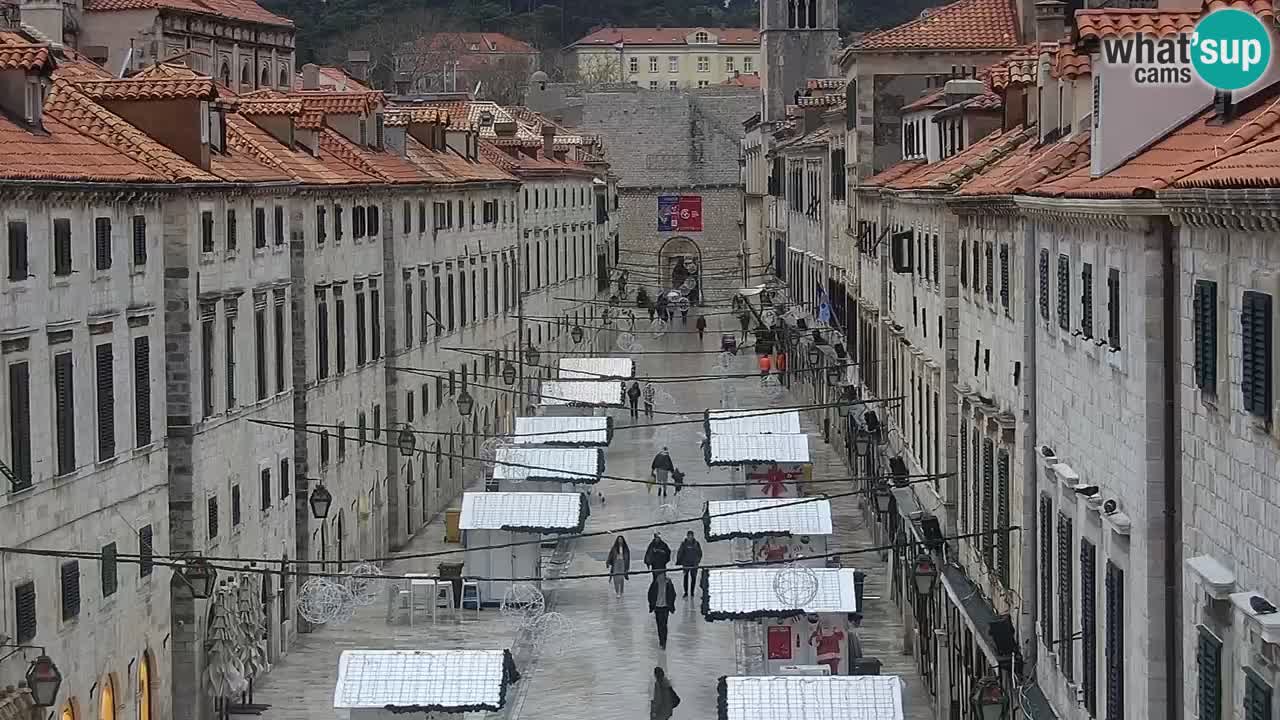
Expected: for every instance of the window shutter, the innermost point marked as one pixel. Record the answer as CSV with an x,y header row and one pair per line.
x,y
142,390
1255,353
260,349
1257,697
235,505
988,502
279,225
1089,625
1002,516
70,576
406,221
1046,570
18,267
1209,675
212,511
105,372
964,263
265,478
361,334
1086,300
62,247
990,284
375,220
139,240
964,477
375,317
321,228
146,551
1044,284
102,243
1113,308
1064,292
1066,600
24,605
259,227
1205,319
64,413
206,231
1004,275
284,480
1115,642
322,336
232,240
20,424
108,561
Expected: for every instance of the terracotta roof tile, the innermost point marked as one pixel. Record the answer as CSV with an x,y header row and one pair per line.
x,y
400,117
339,103
821,101
930,100
667,36
1028,166
1105,23
324,169
1068,63
893,173
1262,8
334,79
310,120
76,66
19,53
978,24
382,164
986,102
148,89
959,168
271,106
486,43
447,166
63,154
1256,165
744,81
244,10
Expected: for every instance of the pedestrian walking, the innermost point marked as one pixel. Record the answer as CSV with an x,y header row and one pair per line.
x,y
701,324
633,396
664,700
619,564
684,317
689,557
649,393
657,555
677,478
765,365
662,602
660,469
649,306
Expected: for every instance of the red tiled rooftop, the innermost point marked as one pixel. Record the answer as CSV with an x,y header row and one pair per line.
x,y
821,101
483,42
326,169
1068,63
339,103
19,53
893,173
960,168
929,100
383,164
270,106
147,89
1252,166
447,166
744,81
1107,23
334,78
61,153
667,36
242,10
965,24
1029,165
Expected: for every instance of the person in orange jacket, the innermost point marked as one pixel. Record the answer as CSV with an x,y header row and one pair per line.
x,y
765,364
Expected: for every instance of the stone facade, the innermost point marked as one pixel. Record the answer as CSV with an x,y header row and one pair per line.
x,y
795,48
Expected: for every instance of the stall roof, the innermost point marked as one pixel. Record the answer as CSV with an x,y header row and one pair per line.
x,y
757,449
605,393
749,593
763,517
578,465
451,681
580,431
544,512
596,368
800,697
752,422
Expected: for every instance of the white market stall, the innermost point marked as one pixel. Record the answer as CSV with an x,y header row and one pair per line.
x,y
577,431
501,518
778,528
395,684
597,368
517,464
751,422
774,464
815,630
791,697
561,398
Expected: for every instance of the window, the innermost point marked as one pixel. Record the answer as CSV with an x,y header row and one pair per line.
x,y
1255,353
1046,571
1209,675
1044,283
139,240
406,218
1205,330
1004,275
146,551
321,227
340,331
206,361
1086,300
235,505
61,247
104,372
1257,697
108,570
284,480
701,38
1113,308
653,63
653,84
373,219
673,85
1002,516
704,64
337,223
101,243
729,66
229,348
375,314
1066,606
1064,292
990,269
264,479
988,502
1089,626
24,605
422,217
142,390
361,351
70,576
231,231
278,225
357,222
64,418
362,428
211,510
377,421
1115,658
279,337
259,227
964,263
748,64
260,349
408,313
673,63
633,65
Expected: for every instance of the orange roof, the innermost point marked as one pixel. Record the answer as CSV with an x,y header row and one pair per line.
x,y
824,84
244,162
382,164
61,153
744,81
1069,64
148,89
965,24
986,101
893,173
19,53
447,166
243,10
933,98
1098,24
483,42
522,164
1256,165
270,106
1029,165
326,169
1261,8
334,78
820,100
960,168
339,103
1019,68
1197,143
75,66
668,36
400,117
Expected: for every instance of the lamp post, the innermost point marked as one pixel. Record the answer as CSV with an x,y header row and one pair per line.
x,y
407,442
44,679
465,403
200,577
990,701
320,501
926,575
883,498
576,334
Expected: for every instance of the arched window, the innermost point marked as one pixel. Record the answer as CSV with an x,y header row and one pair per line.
x,y
107,706
265,80
225,74
144,687
246,77
701,37
284,78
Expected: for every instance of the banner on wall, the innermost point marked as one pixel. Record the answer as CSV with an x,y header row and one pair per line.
x,y
779,642
679,213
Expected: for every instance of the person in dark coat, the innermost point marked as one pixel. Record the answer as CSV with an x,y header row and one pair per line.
x,y
658,554
619,564
689,557
662,602
701,324
660,469
633,396
664,700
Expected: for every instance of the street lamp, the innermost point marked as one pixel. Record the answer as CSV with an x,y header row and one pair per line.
x,y
509,374
861,442
926,575
835,374
614,301
200,577
576,334
407,442
465,403
531,354
814,355
44,679
990,702
320,501
883,497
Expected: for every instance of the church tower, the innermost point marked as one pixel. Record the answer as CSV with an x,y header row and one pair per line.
x,y
798,41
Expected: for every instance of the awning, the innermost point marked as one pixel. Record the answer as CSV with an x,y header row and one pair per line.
x,y
974,608
1035,706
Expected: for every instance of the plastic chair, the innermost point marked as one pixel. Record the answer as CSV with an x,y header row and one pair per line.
x,y
471,594
444,599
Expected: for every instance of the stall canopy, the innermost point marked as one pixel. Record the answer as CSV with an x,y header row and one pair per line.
x,y
752,422
535,512
766,517
581,431
797,697
582,393
597,368
757,449
749,593
449,681
555,464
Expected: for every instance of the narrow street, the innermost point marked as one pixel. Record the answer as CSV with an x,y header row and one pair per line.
x,y
607,665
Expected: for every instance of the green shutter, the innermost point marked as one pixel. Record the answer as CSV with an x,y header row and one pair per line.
x,y
1257,697
1255,353
1209,680
1089,625
1205,320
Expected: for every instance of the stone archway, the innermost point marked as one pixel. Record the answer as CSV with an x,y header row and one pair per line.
x,y
680,265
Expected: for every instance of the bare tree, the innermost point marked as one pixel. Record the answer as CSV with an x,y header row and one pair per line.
x,y
502,80
395,45
595,72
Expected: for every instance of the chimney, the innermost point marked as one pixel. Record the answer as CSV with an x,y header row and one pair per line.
x,y
960,90
46,17
548,141
310,76
358,60
1050,17
456,139
403,83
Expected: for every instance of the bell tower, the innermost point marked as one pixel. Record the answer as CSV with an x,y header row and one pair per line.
x,y
798,41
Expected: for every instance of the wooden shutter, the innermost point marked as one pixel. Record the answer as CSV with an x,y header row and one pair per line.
x,y
235,505
1255,353
964,263
1066,599
1257,697
70,576
260,349
264,478
988,502
18,266
1002,516
278,225
64,413
139,240
1064,292
259,227
322,336
1205,329
104,371
1004,275
1086,300
374,221
1044,284
937,252
278,331
108,562
1089,625
361,334
20,424
1113,308
284,479
142,390
964,477
1209,675
102,243
321,229
375,317
206,231
990,280
1046,570
62,247
212,511
1115,642
146,551
232,239
24,605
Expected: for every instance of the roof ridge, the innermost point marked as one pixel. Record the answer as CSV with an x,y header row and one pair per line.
x,y
238,139
1261,136
342,148
1000,148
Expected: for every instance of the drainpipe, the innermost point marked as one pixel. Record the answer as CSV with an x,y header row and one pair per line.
x,y
1172,467
1030,443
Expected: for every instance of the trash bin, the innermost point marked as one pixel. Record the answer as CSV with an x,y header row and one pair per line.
x,y
452,571
452,519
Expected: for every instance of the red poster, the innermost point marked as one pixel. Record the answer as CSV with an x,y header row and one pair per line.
x,y
690,209
779,642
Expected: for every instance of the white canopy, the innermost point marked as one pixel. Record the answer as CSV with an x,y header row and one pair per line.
x,y
753,422
557,464
448,680
604,393
797,697
762,517
596,368
547,511
756,449
582,430
752,592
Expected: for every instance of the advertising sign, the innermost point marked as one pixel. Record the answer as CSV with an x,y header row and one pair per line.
x,y
679,213
779,642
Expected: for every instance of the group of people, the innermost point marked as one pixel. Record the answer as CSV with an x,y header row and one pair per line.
x,y
634,393
662,592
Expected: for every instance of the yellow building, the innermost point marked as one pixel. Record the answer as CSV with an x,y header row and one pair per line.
x,y
666,58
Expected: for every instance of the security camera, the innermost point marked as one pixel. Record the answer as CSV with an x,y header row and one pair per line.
x,y
1110,507
1086,490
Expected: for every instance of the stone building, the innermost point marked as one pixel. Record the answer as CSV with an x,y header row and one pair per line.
x,y
798,41
665,58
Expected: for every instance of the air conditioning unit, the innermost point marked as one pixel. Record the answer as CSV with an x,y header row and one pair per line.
x,y
822,670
